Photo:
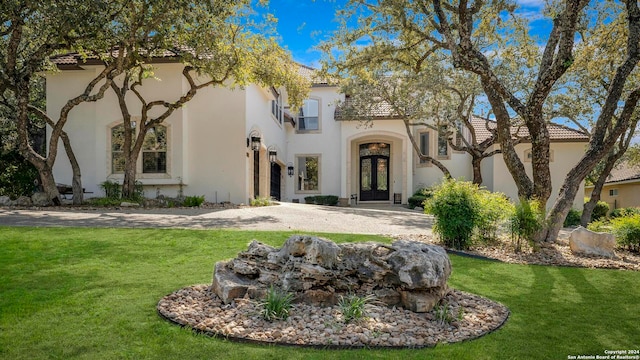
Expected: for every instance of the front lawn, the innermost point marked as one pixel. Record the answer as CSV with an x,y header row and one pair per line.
x,y
91,293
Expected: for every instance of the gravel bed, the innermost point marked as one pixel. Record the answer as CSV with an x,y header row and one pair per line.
x,y
198,308
557,254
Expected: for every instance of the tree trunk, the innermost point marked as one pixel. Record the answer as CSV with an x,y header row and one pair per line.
x,y
477,170
76,182
560,209
129,182
49,185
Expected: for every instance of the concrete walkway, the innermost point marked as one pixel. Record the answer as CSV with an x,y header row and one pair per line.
x,y
385,220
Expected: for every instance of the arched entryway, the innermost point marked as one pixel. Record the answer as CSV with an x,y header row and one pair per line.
x,y
374,171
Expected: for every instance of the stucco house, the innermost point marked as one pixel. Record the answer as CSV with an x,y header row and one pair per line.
x,y
234,145
622,187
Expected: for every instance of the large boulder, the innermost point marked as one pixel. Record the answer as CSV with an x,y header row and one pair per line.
x,y
40,199
6,201
318,271
23,201
585,241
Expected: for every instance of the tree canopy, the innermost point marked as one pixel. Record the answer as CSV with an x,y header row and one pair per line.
x,y
520,75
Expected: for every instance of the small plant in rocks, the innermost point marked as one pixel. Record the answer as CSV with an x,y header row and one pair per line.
x,y
353,307
276,304
443,313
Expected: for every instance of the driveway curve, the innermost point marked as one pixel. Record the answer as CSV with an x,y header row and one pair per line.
x,y
383,220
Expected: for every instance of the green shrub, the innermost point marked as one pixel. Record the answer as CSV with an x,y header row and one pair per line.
x,y
573,218
455,206
602,225
193,201
261,201
331,200
276,305
494,208
600,211
112,189
104,201
527,218
353,307
418,198
416,201
623,212
17,175
627,231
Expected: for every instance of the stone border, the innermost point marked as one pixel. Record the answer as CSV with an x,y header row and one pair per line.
x,y
200,310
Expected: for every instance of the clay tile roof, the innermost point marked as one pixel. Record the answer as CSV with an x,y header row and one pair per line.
x,y
623,172
311,75
74,58
381,110
557,132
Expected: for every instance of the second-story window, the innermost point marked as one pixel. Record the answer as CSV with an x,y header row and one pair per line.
x,y
309,116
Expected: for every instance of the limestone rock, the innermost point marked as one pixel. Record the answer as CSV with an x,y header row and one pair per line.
x,y
23,201
40,199
129,204
420,265
318,272
588,242
6,201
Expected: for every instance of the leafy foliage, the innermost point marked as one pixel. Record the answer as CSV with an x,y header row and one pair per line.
x,y
527,218
627,231
17,176
600,211
277,304
112,189
193,201
261,201
494,209
418,198
456,209
602,225
330,200
573,218
622,212
353,307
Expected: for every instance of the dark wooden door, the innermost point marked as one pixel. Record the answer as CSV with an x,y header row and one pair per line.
x,y
374,177
256,174
276,173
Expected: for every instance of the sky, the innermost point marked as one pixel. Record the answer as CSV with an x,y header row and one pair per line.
x,y
302,24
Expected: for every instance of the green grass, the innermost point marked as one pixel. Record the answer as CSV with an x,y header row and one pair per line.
x,y
91,294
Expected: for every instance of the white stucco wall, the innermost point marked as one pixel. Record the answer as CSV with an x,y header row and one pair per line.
x,y
565,156
325,143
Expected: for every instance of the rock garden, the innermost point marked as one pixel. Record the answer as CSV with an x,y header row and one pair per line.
x,y
313,292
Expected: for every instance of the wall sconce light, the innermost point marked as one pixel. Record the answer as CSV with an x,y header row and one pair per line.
x,y
254,140
273,154
290,169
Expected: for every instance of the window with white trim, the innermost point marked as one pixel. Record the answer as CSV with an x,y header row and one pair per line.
x,y
613,192
309,116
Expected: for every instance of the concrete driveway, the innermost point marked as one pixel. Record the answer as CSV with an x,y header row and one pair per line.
x,y
384,220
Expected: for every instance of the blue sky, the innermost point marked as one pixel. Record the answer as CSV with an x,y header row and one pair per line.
x,y
302,24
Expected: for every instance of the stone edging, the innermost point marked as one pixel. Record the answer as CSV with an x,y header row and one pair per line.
x,y
176,308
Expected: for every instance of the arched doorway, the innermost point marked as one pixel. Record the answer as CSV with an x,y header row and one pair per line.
x,y
374,171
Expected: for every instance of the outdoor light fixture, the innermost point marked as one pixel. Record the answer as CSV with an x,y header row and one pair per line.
x,y
254,140
290,169
273,154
